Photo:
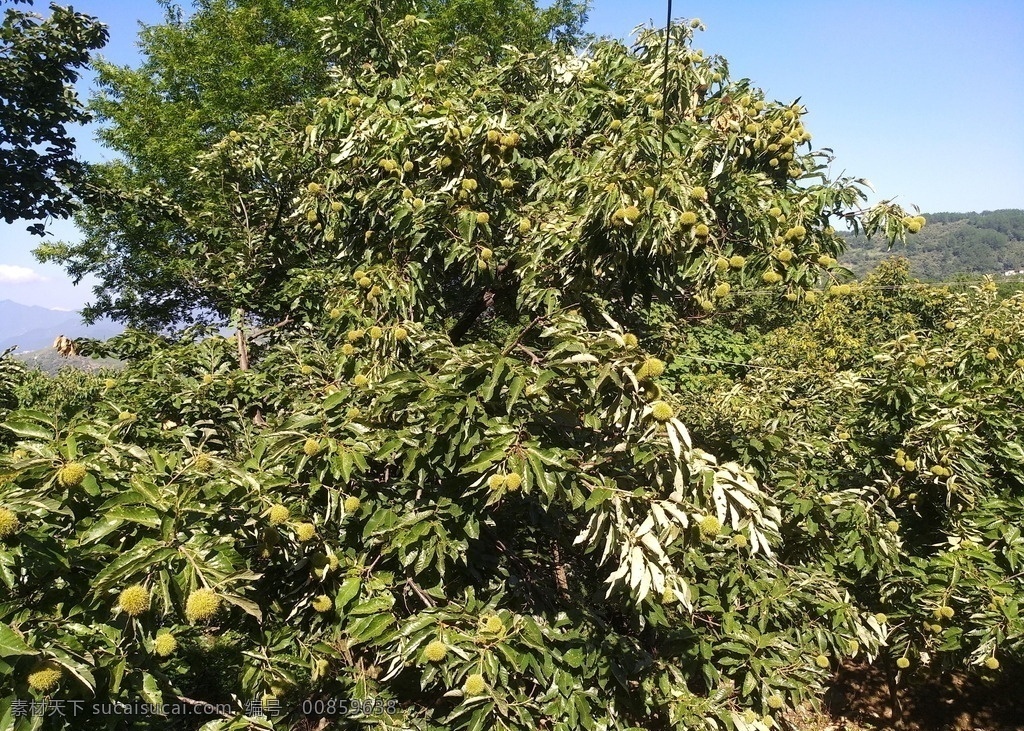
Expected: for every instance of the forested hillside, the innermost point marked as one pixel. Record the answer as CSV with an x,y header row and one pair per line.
x,y
951,245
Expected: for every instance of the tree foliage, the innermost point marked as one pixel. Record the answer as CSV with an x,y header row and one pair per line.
x,y
457,459
40,60
202,77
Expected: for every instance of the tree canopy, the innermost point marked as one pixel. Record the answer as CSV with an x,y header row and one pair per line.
x,y
548,405
205,74
40,60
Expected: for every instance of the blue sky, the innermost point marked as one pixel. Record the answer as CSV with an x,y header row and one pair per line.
x,y
925,99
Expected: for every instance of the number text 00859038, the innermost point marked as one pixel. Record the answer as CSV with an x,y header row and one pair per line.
x,y
349,707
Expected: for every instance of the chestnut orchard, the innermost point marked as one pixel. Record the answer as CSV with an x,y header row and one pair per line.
x,y
457,468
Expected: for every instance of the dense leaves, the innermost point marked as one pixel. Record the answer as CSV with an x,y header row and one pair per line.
x,y
523,424
40,60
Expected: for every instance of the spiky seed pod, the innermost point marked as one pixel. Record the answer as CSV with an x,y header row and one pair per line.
x,y
435,651
721,263
688,218
776,702
722,290
45,676
375,333
737,261
486,254
493,624
469,184
474,685
305,532
360,381
709,526
947,612
669,596
306,370
313,188
630,340
649,192
71,474
903,663
356,335
165,644
701,231
202,605
335,313
365,282
9,523
278,514
615,124
739,540
312,447
662,411
784,255
496,482
991,663
822,661
651,368
134,600
699,193
513,481
352,504
348,349
631,214
481,265
401,334
525,225
323,603
483,218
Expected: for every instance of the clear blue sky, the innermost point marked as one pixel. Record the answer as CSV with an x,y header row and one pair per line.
x,y
924,98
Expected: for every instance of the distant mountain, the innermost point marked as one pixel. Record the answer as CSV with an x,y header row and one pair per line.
x,y
31,328
950,245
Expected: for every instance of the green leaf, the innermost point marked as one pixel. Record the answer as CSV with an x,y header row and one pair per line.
x,y
11,644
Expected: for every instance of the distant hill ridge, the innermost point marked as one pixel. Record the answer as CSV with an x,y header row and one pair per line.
x,y
950,245
31,327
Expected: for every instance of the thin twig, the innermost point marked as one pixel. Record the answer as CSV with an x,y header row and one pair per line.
x,y
426,599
